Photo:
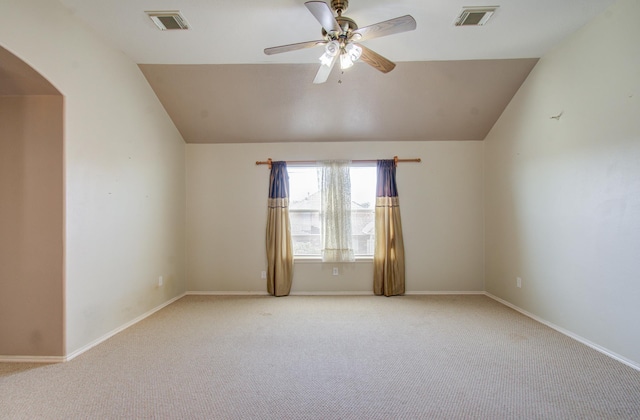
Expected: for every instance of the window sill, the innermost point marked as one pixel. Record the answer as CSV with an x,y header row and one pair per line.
x,y
318,260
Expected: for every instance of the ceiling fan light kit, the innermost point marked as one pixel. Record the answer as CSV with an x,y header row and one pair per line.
x,y
340,34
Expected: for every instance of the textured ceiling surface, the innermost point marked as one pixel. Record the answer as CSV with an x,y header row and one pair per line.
x,y
437,100
217,85
236,32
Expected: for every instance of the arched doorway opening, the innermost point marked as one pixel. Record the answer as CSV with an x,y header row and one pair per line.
x,y
31,212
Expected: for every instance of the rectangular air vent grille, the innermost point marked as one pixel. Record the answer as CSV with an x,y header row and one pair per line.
x,y
168,20
475,16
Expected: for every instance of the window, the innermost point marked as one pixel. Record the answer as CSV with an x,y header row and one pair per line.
x,y
305,207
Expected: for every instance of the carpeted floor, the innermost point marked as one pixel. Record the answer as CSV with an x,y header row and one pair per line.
x,y
320,357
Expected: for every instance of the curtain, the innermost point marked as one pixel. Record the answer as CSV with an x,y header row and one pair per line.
x,y
388,257
337,245
279,247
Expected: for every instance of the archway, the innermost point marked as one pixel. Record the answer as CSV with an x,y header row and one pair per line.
x,y
31,212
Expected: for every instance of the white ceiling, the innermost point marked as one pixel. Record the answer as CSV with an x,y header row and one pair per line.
x,y
217,85
237,31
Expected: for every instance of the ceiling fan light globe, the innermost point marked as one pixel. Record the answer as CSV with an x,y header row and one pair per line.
x,y
345,61
330,51
332,48
353,51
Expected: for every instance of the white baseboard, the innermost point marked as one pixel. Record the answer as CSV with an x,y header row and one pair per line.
x,y
110,334
370,293
226,293
330,293
320,293
59,359
457,292
229,293
70,356
32,359
568,333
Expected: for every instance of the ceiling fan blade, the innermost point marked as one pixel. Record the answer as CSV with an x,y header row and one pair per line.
x,y
388,27
293,47
376,60
324,71
321,11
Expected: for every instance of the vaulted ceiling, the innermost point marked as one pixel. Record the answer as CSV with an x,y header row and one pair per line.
x,y
450,83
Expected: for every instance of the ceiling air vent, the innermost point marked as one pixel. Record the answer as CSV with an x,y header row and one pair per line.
x,y
475,16
168,20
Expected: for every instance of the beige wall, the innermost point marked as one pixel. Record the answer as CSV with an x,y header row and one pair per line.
x,y
563,195
441,206
31,226
124,172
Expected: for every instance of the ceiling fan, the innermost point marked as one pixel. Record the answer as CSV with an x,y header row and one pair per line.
x,y
342,37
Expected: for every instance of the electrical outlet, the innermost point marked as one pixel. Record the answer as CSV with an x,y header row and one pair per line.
x,y
160,281
519,282
263,274
335,271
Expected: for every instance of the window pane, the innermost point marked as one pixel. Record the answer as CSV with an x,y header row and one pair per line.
x,y
305,232
305,206
304,186
304,210
363,200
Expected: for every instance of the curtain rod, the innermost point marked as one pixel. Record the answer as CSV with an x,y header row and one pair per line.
x,y
310,162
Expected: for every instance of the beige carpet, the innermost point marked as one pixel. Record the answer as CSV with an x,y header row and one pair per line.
x,y
355,357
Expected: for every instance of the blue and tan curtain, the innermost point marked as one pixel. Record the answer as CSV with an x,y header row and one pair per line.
x,y
279,246
388,257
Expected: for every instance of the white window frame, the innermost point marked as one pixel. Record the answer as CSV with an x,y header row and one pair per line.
x,y
292,211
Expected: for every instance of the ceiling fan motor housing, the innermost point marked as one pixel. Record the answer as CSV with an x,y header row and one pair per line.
x,y
348,25
339,6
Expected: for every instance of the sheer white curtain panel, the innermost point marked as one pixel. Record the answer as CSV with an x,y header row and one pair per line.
x,y
336,211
